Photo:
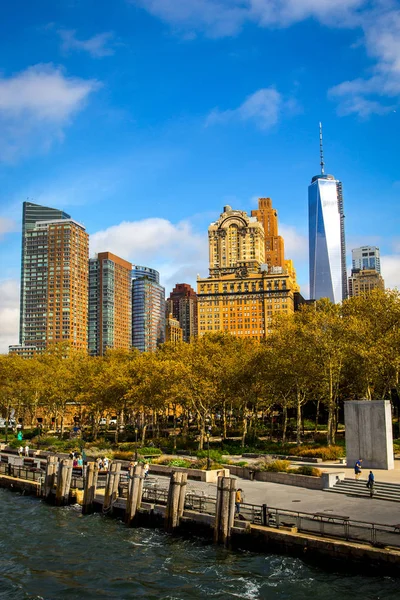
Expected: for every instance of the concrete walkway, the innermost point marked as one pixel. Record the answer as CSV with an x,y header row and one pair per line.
x,y
301,499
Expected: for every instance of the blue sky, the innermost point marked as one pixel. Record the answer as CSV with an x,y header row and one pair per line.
x,y
142,118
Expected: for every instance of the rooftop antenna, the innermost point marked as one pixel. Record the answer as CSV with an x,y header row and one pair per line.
x,y
321,150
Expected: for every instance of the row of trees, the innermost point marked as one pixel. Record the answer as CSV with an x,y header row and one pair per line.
x,y
316,358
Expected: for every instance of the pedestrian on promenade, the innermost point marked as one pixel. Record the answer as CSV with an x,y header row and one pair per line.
x,y
370,483
27,450
357,468
146,470
238,500
20,451
106,463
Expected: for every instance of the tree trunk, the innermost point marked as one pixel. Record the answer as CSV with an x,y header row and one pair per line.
x,y
244,429
224,423
298,420
284,423
62,425
317,418
144,434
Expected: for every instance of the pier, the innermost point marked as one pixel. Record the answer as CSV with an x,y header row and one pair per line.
x,y
166,502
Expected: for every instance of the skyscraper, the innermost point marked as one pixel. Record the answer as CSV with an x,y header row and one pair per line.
x,y
242,293
110,303
54,279
327,248
182,303
31,214
148,309
366,257
274,245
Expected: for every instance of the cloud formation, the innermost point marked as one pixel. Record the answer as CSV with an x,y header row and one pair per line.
x,y
9,314
7,226
263,108
35,107
175,250
378,20
97,46
221,18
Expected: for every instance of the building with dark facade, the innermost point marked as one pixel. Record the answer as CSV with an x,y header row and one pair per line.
x,y
182,303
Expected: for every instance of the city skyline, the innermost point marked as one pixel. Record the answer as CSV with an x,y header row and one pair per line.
x,y
144,122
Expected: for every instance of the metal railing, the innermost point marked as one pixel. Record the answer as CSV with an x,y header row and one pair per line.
x,y
20,472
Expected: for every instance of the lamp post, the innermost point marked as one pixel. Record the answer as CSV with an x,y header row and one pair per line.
x,y
136,434
208,446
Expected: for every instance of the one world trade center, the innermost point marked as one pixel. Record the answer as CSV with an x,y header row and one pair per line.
x,y
327,247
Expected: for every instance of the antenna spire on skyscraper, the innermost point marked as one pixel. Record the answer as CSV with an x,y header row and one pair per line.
x,y
321,150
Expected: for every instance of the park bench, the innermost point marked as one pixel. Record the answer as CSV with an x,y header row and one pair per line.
x,y
329,517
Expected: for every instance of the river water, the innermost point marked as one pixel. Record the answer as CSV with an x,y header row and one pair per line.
x,y
54,553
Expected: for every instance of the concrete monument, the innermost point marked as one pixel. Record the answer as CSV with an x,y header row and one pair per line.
x,y
369,433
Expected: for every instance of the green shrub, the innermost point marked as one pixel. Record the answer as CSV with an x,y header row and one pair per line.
x,y
150,450
278,466
241,463
123,455
179,462
214,454
306,470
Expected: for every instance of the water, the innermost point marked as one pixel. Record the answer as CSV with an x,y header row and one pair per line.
x,y
54,553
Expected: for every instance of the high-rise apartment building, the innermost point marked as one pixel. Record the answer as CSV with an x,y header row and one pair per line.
x,y
363,281
110,303
242,293
327,248
54,298
31,214
274,244
366,257
148,309
182,303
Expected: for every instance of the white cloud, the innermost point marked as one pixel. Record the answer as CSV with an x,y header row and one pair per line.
x,y
35,107
221,18
9,313
390,270
175,250
296,244
378,93
7,226
97,46
263,108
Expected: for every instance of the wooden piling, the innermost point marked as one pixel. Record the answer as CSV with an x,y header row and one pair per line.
x,y
182,496
111,491
64,478
171,513
224,510
89,492
50,477
134,498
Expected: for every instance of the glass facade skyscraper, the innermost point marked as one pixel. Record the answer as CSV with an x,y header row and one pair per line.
x,y
327,248
148,309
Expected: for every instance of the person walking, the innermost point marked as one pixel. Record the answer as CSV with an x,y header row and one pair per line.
x,y
357,468
146,470
27,450
371,483
20,450
238,500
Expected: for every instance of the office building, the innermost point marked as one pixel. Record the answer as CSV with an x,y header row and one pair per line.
x,y
327,249
366,257
173,330
148,309
54,297
274,244
110,303
182,303
363,281
242,293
